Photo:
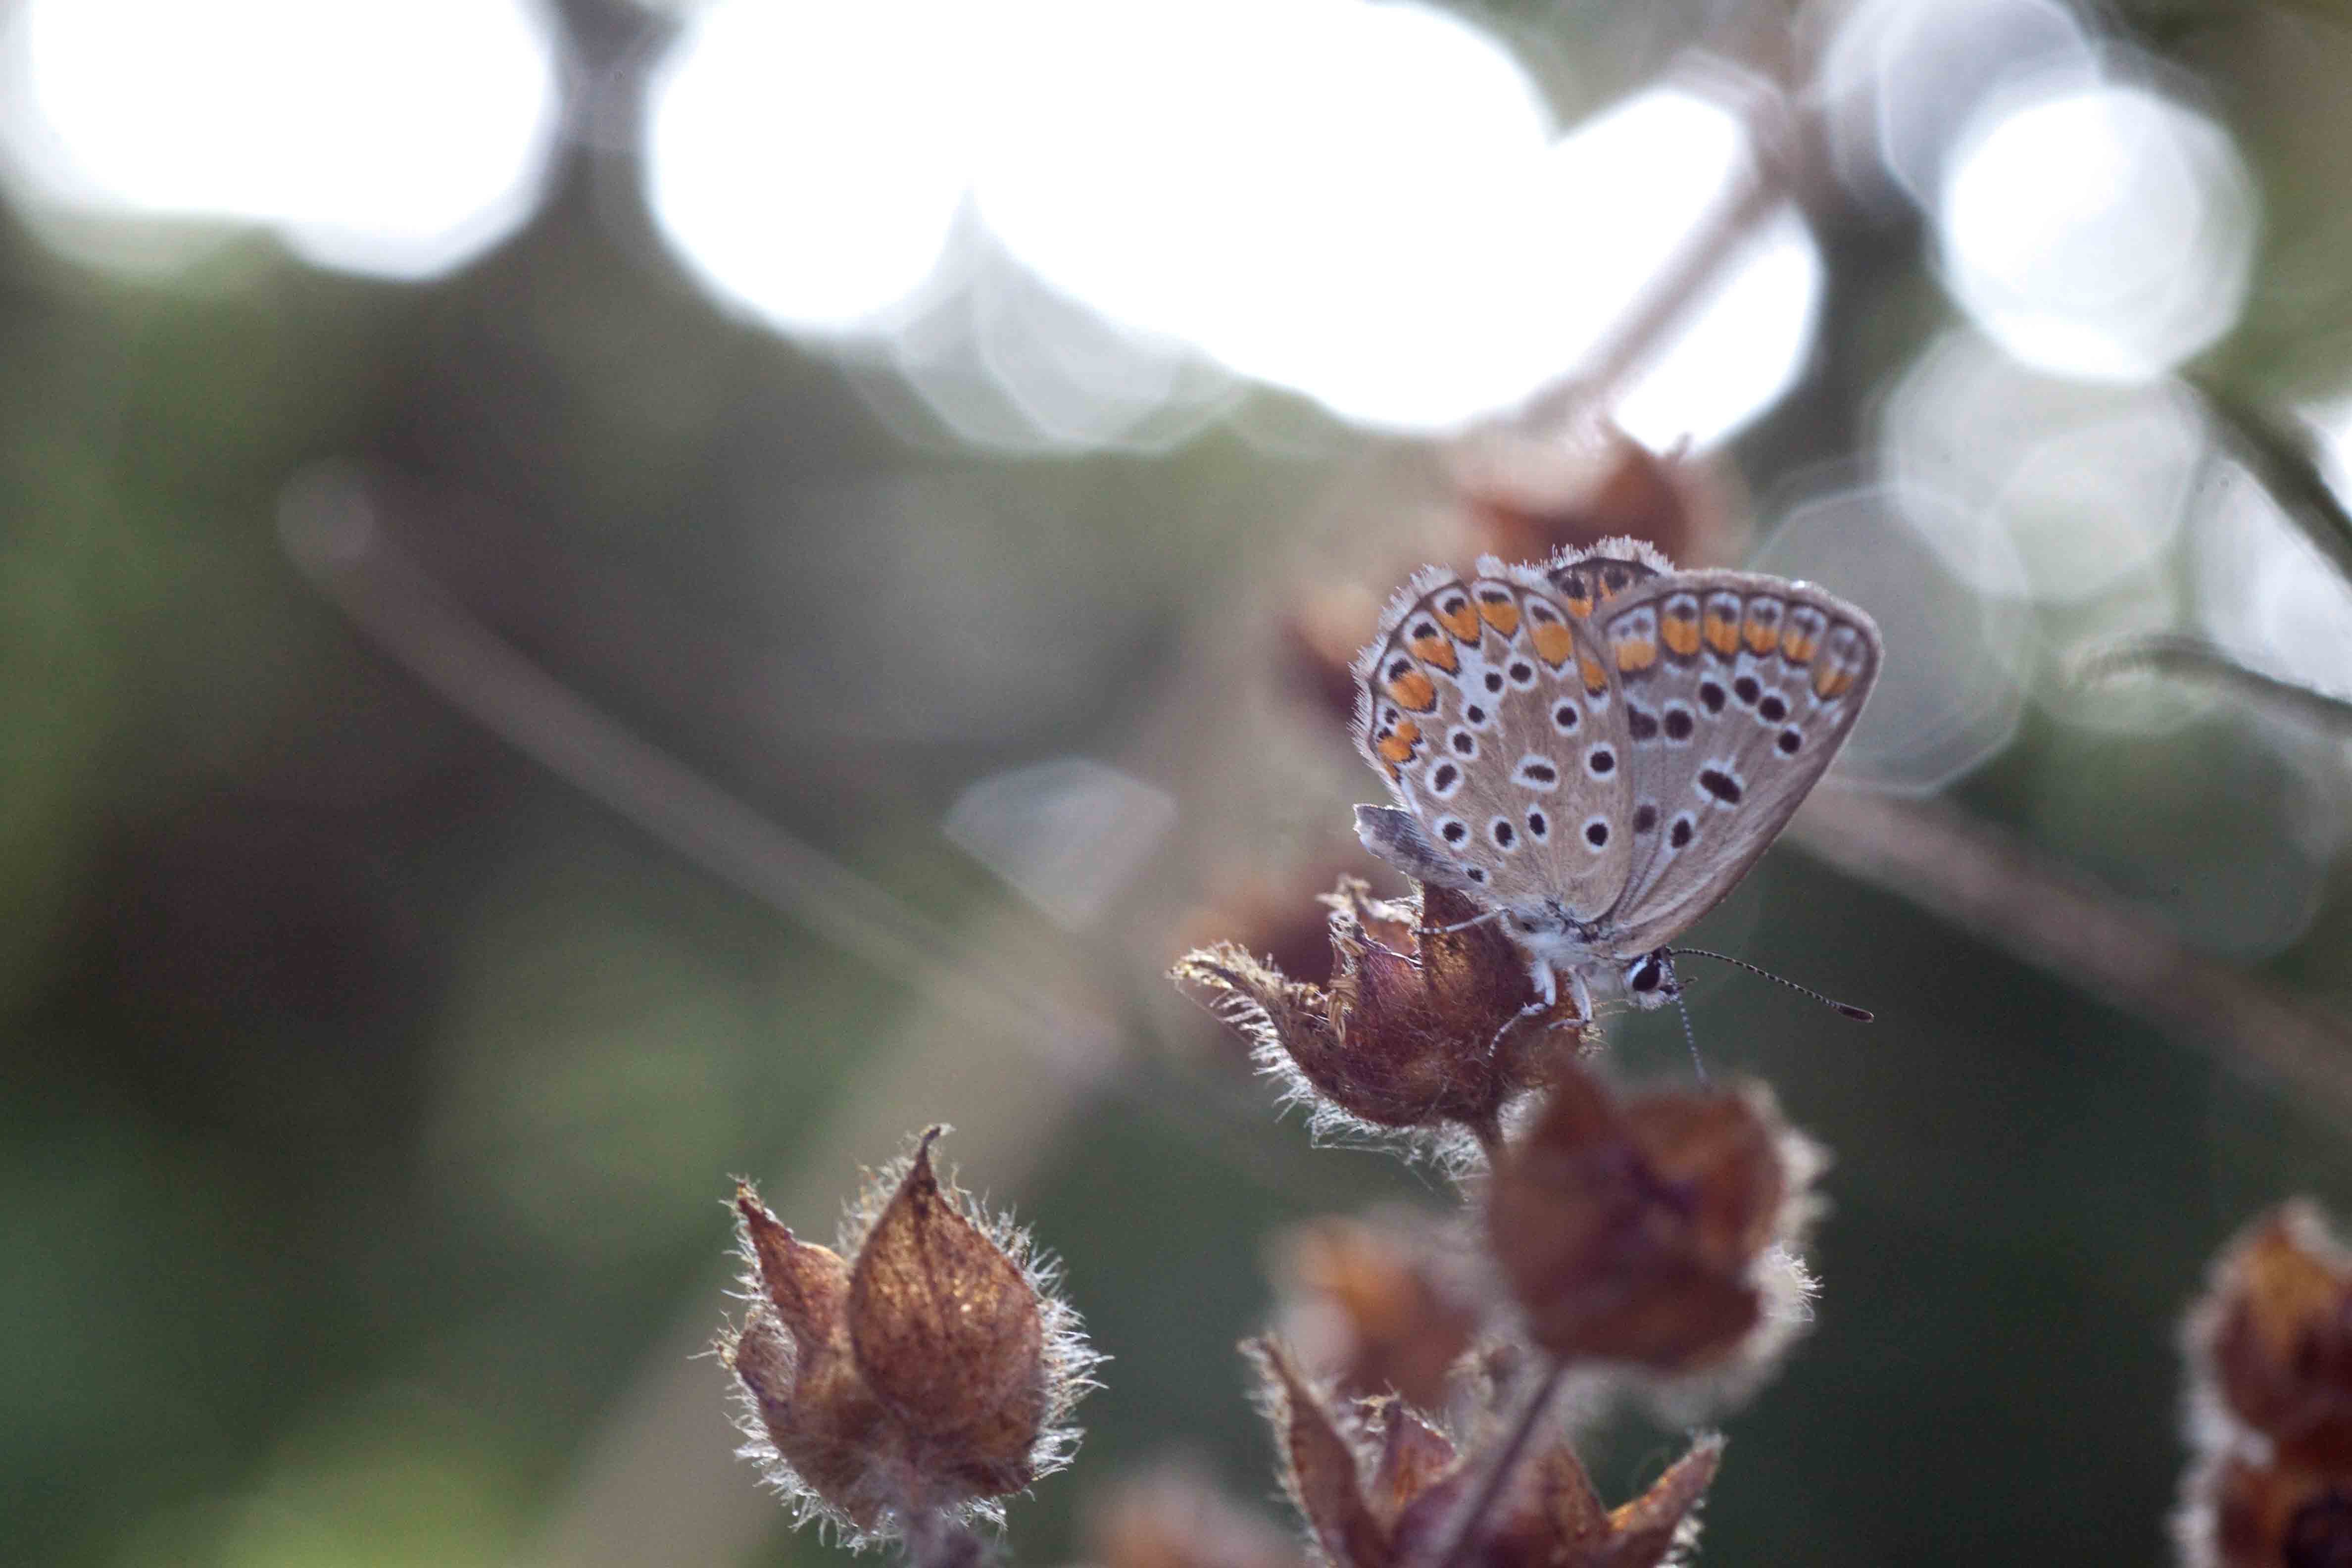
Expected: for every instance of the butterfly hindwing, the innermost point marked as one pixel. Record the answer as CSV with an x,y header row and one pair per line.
x,y
1738,689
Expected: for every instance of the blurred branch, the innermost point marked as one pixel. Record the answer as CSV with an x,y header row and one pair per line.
x,y
2280,456
329,526
2167,653
1750,199
2001,891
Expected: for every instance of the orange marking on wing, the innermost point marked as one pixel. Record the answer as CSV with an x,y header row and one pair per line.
x,y
1414,690
1722,633
1501,614
1596,678
1400,742
1462,621
1637,654
1761,639
1553,640
1796,646
1578,596
1832,682
1437,651
1682,636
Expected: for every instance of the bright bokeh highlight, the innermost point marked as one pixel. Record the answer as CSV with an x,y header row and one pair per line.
x,y
394,140
1901,78
1948,698
807,160
2086,484
1365,204
2098,231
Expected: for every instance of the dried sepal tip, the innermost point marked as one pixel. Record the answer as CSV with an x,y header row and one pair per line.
x,y
918,1374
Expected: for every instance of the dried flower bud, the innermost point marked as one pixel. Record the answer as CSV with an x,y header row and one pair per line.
x,y
2272,1342
2270,1361
1394,1495
2255,1514
1414,1031
925,1376
1172,1518
1653,1231
1324,627
1376,1303
1529,495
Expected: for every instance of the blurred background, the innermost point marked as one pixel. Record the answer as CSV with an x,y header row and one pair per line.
x,y
596,596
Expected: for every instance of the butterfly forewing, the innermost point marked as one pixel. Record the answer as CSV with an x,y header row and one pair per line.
x,y
1491,711
1738,689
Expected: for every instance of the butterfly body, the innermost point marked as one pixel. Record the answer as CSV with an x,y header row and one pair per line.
x,y
1597,748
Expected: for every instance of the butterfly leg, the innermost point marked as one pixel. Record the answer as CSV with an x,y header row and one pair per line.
x,y
1546,979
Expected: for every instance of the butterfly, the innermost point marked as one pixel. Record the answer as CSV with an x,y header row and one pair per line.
x,y
1595,750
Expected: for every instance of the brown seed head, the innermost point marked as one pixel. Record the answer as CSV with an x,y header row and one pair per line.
x,y
2244,1513
1528,495
1392,1319
1414,1031
1639,1232
1322,632
927,1375
2272,1342
1409,1510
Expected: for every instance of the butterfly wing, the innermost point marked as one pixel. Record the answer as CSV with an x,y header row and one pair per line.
x,y
1489,708
1738,689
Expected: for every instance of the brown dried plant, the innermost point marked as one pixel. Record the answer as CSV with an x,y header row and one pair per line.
x,y
2269,1349
1423,1032
912,1378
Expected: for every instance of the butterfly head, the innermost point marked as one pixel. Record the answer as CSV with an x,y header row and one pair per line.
x,y
1650,979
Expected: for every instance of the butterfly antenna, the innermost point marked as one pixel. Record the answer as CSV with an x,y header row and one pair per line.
x,y
1680,1006
1859,1015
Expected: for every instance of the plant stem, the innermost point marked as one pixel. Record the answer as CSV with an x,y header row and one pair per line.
x,y
1465,1530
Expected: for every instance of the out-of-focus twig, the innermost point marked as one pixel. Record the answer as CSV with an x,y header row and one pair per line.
x,y
1755,194
329,522
2281,460
2169,653
1998,889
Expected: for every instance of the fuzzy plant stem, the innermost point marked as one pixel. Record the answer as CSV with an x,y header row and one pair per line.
x,y
1465,1531
936,1540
